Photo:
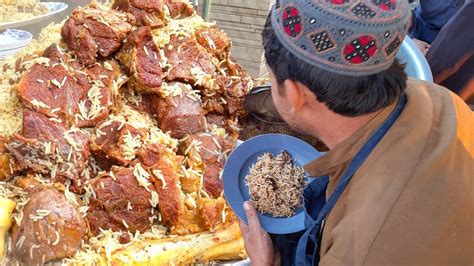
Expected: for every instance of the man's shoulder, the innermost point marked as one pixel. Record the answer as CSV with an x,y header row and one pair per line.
x,y
430,182
421,167
445,112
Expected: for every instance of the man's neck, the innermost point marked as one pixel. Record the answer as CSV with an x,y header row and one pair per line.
x,y
333,129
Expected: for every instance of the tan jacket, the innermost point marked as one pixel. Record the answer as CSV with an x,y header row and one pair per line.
x,y
412,201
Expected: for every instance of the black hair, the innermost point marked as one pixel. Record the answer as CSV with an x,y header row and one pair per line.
x,y
345,95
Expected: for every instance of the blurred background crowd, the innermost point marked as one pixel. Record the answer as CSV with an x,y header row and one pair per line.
x,y
443,30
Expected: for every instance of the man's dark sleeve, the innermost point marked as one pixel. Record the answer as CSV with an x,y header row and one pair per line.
x,y
430,16
451,55
421,29
286,245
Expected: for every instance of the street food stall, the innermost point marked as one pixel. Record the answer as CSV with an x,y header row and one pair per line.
x,y
116,120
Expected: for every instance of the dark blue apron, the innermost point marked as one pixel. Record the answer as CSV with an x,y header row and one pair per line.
x,y
302,248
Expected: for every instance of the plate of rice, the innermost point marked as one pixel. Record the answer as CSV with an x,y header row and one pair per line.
x,y
19,13
267,170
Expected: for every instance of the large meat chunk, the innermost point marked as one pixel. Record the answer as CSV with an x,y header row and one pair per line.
x,y
212,180
180,111
116,143
52,228
210,150
142,59
208,147
92,31
179,8
147,12
104,79
235,91
178,210
61,90
38,126
48,147
216,120
210,211
149,155
234,87
80,41
123,201
189,62
52,91
167,185
215,41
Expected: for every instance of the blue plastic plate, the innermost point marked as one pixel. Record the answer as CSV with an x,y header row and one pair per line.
x,y
242,159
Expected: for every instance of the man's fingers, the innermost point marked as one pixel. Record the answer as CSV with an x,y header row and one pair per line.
x,y
252,217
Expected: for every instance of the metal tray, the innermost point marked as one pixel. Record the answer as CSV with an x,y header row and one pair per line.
x,y
416,65
53,9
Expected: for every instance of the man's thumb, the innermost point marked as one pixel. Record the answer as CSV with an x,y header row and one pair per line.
x,y
252,216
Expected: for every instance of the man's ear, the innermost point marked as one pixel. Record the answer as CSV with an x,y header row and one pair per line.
x,y
295,95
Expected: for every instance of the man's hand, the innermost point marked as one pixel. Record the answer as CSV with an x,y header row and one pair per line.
x,y
258,244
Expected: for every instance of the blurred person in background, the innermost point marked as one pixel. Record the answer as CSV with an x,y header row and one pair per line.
x,y
429,17
451,56
441,31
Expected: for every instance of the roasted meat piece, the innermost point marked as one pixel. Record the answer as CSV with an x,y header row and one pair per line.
x,y
210,150
215,41
80,41
149,155
123,201
138,102
61,90
142,59
116,143
48,147
188,213
52,228
52,91
213,104
180,111
212,95
216,119
96,107
235,91
38,126
212,181
178,210
5,168
29,183
210,211
166,182
57,55
91,31
209,147
190,182
189,62
234,87
179,8
146,12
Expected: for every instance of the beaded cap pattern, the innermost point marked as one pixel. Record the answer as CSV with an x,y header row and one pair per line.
x,y
348,37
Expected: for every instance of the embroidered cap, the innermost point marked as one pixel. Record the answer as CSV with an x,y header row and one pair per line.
x,y
348,37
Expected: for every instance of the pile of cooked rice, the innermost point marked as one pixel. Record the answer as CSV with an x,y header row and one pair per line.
x,y
17,10
107,246
276,185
